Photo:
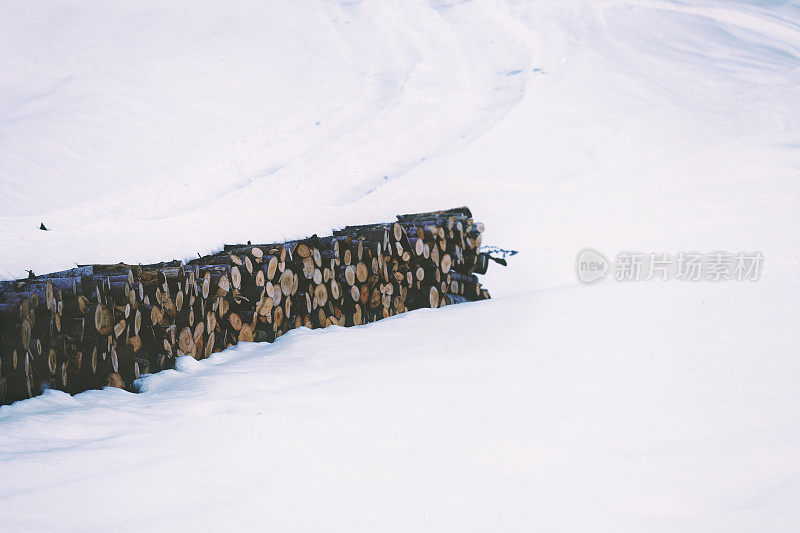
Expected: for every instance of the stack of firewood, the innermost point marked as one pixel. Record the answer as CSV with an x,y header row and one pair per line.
x,y
99,325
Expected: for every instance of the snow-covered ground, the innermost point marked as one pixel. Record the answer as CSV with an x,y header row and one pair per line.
x,y
140,131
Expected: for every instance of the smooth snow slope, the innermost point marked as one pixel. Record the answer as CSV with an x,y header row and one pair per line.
x,y
141,132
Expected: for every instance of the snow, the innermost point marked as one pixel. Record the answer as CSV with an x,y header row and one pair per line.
x,y
142,131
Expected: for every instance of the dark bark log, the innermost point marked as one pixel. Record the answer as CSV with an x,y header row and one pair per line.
x,y
21,382
10,361
463,211
380,233
481,264
301,303
219,279
46,362
451,299
62,380
428,233
90,361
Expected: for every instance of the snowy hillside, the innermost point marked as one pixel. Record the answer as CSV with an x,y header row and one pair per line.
x,y
144,131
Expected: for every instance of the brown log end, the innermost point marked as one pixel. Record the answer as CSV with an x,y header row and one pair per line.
x,y
115,380
186,340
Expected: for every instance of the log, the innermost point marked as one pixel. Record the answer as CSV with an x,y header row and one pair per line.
x,y
21,382
264,306
103,319
417,246
287,282
446,263
463,211
361,272
245,333
89,362
235,321
335,290
115,380
186,341
48,362
62,377
349,275
100,325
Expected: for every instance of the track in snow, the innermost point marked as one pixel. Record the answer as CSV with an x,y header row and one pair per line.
x,y
321,106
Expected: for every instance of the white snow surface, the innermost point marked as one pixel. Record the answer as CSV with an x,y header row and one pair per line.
x,y
142,131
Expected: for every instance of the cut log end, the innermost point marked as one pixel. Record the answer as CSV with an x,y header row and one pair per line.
x,y
350,275
186,340
235,321
433,298
115,380
446,263
287,282
362,272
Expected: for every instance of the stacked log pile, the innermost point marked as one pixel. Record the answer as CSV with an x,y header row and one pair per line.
x,y
99,325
